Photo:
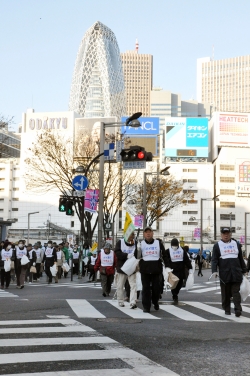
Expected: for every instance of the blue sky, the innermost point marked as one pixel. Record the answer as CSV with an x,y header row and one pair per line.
x,y
39,40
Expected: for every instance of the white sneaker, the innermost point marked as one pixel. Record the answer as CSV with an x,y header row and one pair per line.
x,y
121,305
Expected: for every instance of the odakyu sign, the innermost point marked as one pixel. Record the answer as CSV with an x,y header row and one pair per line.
x,y
48,123
149,126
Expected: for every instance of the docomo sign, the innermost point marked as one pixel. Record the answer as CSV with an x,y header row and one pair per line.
x,y
148,126
48,123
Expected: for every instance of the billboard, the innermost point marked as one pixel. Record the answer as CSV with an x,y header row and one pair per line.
x,y
186,137
242,186
149,126
232,129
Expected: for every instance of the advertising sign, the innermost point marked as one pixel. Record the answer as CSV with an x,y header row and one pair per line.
x,y
91,200
138,221
197,233
232,129
242,167
186,137
149,126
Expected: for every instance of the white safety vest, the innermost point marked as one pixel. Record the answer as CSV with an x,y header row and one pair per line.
x,y
38,252
75,255
59,255
127,248
49,252
93,260
30,254
107,259
6,254
150,252
20,252
228,250
176,254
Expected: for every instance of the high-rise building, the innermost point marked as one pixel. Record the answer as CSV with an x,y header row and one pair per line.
x,y
97,88
138,77
225,84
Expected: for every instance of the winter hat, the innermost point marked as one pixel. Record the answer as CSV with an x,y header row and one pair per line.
x,y
175,242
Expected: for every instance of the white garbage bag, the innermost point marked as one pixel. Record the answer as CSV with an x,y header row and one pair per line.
x,y
138,282
244,288
65,267
24,260
115,280
53,270
130,265
166,272
190,281
7,265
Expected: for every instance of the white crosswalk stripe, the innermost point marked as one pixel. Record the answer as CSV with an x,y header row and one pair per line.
x,y
7,294
122,359
86,309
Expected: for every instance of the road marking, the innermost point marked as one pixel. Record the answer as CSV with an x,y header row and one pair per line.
x,y
43,321
181,313
64,329
204,290
83,308
55,341
218,312
134,313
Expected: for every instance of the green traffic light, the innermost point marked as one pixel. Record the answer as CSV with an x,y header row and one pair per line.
x,y
62,208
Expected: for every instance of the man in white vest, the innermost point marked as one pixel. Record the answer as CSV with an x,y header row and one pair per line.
x,y
153,253
227,256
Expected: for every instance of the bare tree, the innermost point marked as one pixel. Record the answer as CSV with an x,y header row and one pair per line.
x,y
50,165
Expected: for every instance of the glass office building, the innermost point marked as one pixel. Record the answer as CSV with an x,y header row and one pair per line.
x,y
97,88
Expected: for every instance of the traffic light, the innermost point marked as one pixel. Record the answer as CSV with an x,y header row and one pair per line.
x,y
136,153
62,204
68,207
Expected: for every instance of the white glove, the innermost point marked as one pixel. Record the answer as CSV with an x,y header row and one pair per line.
x,y
191,271
34,264
130,255
168,270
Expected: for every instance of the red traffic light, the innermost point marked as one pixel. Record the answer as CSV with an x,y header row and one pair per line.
x,y
141,155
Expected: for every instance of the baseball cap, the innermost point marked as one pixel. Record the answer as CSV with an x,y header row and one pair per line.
x,y
225,229
147,228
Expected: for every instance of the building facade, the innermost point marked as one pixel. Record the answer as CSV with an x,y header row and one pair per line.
x,y
97,88
225,84
138,78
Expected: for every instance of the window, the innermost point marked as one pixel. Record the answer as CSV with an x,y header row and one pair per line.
x,y
171,234
15,199
230,192
225,167
227,217
1,199
190,212
190,223
224,204
15,189
14,209
190,191
225,179
190,202
15,178
1,210
1,189
2,169
2,178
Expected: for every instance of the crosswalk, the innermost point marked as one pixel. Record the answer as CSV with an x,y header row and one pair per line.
x,y
63,346
7,294
186,310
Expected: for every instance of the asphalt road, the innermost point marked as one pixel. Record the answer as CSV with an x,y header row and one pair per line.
x,y
193,338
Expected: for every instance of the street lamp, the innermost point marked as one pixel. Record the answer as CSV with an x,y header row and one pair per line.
x,y
29,214
246,233
230,217
130,121
205,199
162,172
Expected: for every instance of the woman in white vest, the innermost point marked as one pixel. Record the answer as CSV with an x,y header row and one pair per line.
x,y
75,260
49,259
124,250
106,263
227,256
60,260
20,270
178,260
5,254
39,257
91,265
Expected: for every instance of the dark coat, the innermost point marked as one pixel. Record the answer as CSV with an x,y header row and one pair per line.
x,y
230,269
154,267
179,266
49,261
122,256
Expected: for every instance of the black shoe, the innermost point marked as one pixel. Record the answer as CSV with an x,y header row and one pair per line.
x,y
103,294
21,287
156,307
133,306
175,298
202,275
237,313
146,310
227,313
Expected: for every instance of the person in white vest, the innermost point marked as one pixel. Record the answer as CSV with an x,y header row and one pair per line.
x,y
75,259
39,257
49,259
106,263
60,260
20,270
6,254
178,260
32,257
153,253
227,256
91,265
124,250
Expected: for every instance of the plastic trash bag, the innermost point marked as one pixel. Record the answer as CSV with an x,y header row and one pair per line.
x,y
244,288
65,267
130,265
166,271
190,281
138,282
24,260
7,265
115,280
53,270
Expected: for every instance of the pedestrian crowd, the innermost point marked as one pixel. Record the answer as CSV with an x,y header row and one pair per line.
x,y
135,266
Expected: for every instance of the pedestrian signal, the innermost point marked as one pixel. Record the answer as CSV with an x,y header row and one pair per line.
x,y
62,204
69,207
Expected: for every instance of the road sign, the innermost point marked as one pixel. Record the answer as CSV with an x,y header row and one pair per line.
x,y
78,193
134,165
80,182
109,151
108,227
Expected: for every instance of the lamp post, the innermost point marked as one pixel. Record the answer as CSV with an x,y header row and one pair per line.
x,y
29,214
246,233
130,121
230,223
162,172
205,199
